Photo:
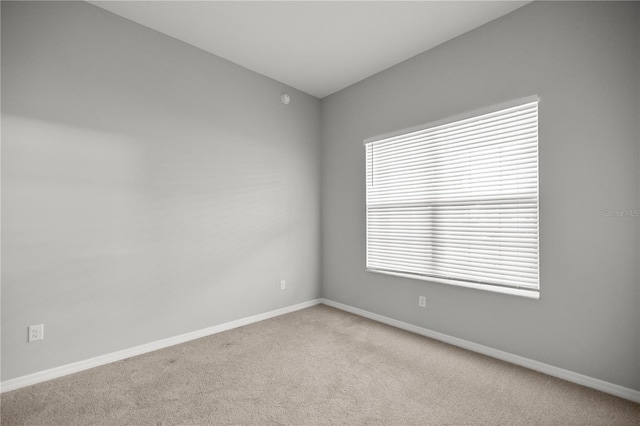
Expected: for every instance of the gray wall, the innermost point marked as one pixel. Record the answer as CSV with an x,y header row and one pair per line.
x,y
582,59
148,188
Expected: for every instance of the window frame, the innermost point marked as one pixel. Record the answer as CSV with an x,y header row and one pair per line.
x,y
498,288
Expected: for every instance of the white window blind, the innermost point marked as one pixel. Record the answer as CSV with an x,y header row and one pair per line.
x,y
458,202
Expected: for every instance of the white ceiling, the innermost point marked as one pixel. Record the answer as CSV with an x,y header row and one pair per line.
x,y
318,47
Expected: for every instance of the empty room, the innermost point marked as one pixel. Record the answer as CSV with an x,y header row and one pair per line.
x,y
320,213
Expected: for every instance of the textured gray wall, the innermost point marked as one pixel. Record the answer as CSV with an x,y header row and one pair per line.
x,y
148,188
582,60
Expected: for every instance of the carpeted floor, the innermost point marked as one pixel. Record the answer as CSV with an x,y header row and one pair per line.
x,y
318,366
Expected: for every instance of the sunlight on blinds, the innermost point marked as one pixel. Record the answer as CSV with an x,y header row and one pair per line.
x,y
458,202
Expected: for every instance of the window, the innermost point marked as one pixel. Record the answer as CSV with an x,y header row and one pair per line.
x,y
457,202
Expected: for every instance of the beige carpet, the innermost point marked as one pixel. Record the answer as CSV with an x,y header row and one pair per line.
x,y
318,366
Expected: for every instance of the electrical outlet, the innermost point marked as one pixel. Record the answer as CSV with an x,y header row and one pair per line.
x,y
422,301
36,332
283,285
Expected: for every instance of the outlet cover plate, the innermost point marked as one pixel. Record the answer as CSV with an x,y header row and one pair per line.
x,y
36,332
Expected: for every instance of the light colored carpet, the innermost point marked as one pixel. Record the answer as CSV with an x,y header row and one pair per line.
x,y
318,366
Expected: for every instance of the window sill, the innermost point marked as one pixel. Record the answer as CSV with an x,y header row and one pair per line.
x,y
530,294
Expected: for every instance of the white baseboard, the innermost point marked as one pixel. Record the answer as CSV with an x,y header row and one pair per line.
x,y
42,376
570,376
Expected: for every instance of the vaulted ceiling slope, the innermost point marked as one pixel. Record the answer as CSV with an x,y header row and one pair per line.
x,y
318,47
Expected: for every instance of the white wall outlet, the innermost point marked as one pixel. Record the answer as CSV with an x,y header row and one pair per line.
x,y
422,301
36,332
283,285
